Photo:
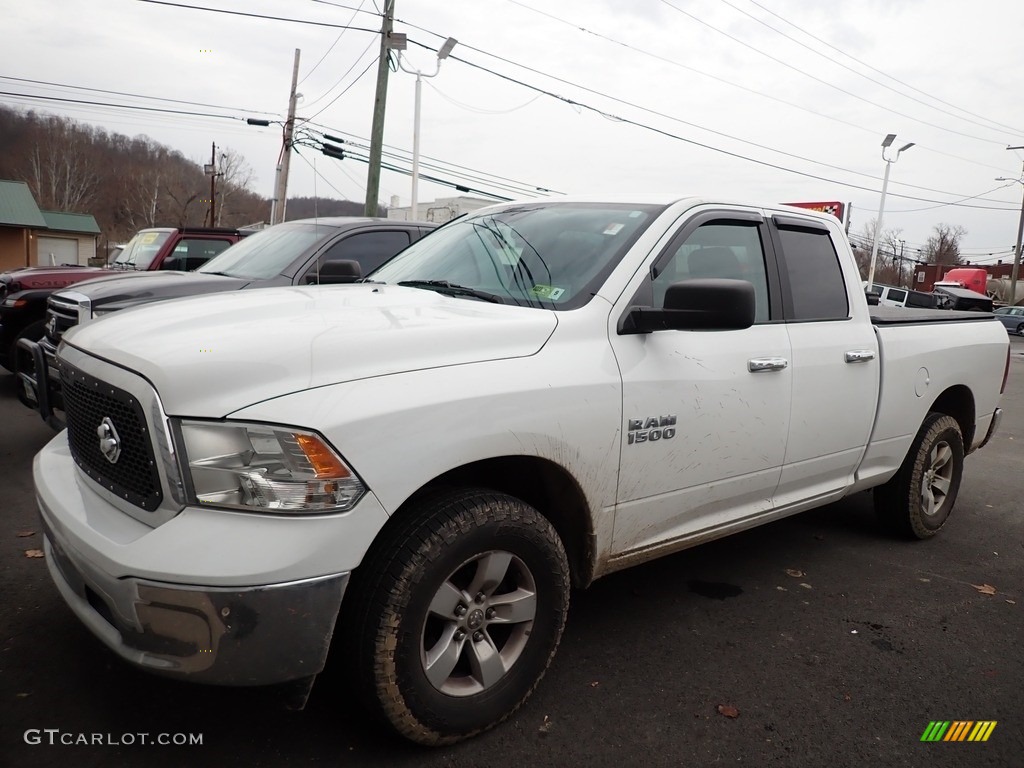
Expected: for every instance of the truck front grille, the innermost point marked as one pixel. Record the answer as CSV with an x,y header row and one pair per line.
x,y
61,314
87,403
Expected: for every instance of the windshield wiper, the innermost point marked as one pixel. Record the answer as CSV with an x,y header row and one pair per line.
x,y
451,289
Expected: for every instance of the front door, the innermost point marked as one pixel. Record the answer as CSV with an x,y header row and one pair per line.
x,y
706,413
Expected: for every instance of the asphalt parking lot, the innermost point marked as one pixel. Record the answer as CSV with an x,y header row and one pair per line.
x,y
831,643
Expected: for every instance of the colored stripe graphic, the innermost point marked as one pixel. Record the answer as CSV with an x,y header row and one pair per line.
x,y
958,730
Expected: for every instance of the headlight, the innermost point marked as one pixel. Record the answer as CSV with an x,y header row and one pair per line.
x,y
13,301
258,467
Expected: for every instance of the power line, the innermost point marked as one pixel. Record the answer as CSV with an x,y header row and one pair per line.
x,y
133,95
120,106
701,72
336,41
665,116
703,145
460,168
259,16
851,69
875,69
347,88
344,75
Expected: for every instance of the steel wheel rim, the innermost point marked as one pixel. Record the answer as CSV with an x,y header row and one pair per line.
x,y
478,623
938,479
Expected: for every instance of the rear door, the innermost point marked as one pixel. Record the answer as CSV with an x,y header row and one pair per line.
x,y
835,366
706,413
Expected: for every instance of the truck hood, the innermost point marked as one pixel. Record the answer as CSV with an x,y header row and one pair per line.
x,y
209,356
141,287
28,278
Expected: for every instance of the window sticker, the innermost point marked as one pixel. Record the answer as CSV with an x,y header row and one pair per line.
x,y
613,229
149,238
547,292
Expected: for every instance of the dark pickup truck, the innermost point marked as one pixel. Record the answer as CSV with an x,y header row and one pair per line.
x,y
302,252
23,292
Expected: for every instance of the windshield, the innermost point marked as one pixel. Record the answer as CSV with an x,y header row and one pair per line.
x,y
141,250
545,255
268,253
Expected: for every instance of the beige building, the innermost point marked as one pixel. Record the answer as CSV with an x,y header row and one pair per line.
x,y
32,237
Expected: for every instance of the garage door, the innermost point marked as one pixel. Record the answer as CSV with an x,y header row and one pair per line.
x,y
57,250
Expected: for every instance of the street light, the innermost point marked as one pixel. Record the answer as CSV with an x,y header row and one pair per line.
x,y
886,143
442,54
1020,234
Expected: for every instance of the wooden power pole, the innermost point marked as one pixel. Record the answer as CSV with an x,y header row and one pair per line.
x,y
377,131
280,201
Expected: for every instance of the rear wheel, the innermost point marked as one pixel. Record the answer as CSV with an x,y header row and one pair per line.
x,y
917,501
1020,329
457,614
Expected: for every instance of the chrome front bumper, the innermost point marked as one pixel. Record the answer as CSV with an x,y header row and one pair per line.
x,y
258,635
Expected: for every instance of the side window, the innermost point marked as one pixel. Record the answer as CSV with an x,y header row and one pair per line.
x,y
815,277
191,254
718,249
897,295
370,249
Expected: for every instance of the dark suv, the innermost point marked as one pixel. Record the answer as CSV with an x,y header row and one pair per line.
x,y
303,252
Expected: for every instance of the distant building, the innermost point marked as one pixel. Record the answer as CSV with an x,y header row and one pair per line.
x,y
440,210
33,237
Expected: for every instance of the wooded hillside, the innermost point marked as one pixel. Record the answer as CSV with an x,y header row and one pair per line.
x,y
128,183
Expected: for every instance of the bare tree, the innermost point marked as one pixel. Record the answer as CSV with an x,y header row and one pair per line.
x,y
63,165
943,247
889,260
236,175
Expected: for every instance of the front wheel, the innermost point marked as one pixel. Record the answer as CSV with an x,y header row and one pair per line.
x,y
917,501
457,614
1020,329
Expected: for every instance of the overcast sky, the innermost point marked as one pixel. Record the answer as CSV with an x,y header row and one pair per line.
x,y
754,100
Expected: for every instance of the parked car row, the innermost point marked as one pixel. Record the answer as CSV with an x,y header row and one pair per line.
x,y
302,252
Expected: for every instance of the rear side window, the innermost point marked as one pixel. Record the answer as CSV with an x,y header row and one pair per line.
x,y
815,277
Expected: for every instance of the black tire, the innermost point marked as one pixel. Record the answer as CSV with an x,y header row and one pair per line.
x,y
400,616
918,499
34,331
1020,329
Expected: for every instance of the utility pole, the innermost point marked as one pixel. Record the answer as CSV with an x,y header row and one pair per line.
x,y
211,171
213,184
1017,245
377,131
280,201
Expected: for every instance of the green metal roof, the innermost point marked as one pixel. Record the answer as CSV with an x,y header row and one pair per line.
x,y
71,222
17,206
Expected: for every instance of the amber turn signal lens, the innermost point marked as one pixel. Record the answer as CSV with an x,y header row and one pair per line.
x,y
324,462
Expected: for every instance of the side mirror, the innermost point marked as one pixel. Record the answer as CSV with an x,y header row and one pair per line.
x,y
873,297
696,305
342,271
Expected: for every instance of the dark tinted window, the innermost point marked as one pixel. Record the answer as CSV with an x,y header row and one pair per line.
x,y
815,278
370,249
191,253
897,295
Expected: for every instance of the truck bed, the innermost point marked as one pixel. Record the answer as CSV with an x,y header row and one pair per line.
x,y
881,315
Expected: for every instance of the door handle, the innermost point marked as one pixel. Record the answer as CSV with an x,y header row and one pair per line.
x,y
859,355
759,364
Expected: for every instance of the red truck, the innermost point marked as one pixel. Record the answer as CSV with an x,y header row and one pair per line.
x,y
23,292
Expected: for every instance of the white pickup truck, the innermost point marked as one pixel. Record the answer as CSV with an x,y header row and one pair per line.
x,y
417,468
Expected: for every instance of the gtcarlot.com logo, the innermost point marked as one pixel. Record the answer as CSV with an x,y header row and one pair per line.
x,y
55,736
958,730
